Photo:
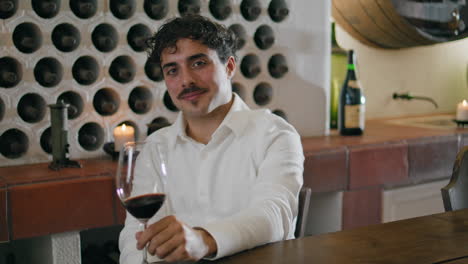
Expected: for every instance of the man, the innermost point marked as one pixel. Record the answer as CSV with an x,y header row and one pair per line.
x,y
234,174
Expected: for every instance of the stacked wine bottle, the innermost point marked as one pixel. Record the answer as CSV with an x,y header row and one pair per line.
x,y
91,55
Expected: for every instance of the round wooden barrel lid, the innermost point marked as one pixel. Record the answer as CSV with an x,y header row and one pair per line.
x,y
394,24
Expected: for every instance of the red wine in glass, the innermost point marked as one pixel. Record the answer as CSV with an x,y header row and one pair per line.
x,y
143,207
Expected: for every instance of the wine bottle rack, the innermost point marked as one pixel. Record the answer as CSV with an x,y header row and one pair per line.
x,y
90,54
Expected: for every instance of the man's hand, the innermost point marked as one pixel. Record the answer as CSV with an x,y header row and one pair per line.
x,y
172,240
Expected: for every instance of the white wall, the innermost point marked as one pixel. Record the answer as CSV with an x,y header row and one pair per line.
x,y
412,201
438,71
50,249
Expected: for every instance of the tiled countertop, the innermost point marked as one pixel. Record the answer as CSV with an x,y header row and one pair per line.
x,y
36,201
386,154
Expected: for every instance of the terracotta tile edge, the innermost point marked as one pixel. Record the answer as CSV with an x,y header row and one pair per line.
x,y
379,145
325,151
432,138
71,178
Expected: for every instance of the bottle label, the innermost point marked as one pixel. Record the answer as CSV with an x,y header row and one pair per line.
x,y
353,84
354,116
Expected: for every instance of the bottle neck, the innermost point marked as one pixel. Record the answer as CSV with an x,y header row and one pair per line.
x,y
351,74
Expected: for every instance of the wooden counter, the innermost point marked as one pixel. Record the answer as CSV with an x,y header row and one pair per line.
x,y
439,238
36,201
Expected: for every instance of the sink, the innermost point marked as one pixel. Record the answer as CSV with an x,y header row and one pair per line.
x,y
439,121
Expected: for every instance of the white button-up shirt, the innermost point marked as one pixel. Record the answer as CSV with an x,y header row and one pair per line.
x,y
242,187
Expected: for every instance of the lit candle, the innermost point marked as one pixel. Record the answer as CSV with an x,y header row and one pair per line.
x,y
462,111
122,135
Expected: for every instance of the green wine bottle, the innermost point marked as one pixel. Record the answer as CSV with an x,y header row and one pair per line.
x,y
351,114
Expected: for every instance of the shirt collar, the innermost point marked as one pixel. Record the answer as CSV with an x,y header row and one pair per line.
x,y
234,120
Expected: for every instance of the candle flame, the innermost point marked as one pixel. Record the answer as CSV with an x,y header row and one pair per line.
x,y
125,127
465,103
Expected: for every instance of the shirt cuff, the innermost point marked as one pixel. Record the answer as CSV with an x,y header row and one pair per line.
x,y
228,239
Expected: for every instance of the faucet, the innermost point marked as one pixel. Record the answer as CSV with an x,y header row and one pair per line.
x,y
407,96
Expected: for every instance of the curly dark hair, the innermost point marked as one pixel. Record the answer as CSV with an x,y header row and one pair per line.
x,y
215,36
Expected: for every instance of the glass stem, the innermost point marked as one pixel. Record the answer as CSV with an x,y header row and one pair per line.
x,y
144,251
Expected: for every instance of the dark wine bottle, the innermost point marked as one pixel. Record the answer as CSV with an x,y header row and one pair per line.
x,y
122,69
83,8
156,9
220,9
278,10
85,70
46,8
74,101
167,100
106,102
280,113
46,140
140,100
189,7
156,124
31,108
250,9
14,143
8,8
241,35
105,37
263,93
153,71
66,37
48,72
10,73
239,89
137,36
2,109
352,103
264,37
27,37
277,66
122,9
91,136
250,66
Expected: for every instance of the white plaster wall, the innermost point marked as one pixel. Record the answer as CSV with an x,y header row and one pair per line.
x,y
63,248
303,38
66,248
438,71
413,201
306,92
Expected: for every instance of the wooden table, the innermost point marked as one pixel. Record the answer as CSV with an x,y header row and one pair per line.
x,y
439,238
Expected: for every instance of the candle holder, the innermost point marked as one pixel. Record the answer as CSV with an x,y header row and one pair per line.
x,y
461,123
109,149
59,124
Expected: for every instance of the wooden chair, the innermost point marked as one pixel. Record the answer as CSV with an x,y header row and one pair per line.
x,y
455,194
303,212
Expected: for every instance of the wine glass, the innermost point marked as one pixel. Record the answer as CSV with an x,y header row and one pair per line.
x,y
140,180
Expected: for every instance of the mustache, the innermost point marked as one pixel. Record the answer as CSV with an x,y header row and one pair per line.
x,y
191,89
